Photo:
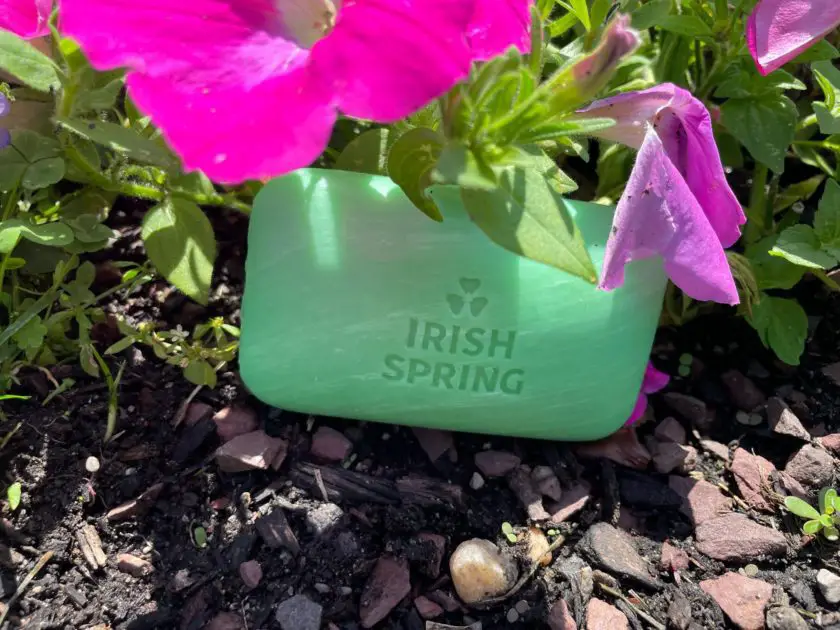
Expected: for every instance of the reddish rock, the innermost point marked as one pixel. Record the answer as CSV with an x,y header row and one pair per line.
x,y
602,616
692,409
386,587
559,617
792,487
743,599
622,447
673,558
573,501
435,548
716,448
136,507
523,487
752,476
546,482
831,442
496,463
435,443
783,421
427,608
133,565
232,422
196,412
811,466
330,445
226,621
445,600
701,500
670,456
254,450
670,430
742,391
251,573
276,532
735,538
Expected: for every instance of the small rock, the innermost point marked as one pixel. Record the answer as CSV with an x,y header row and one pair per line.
x,y
602,616
679,612
435,546
10,558
818,430
445,600
783,421
251,573
716,448
833,372
192,438
275,531
136,507
622,447
479,571
811,466
322,588
743,599
226,621
829,584
692,409
512,616
673,558
522,607
645,491
752,476
546,482
537,545
743,392
756,370
386,587
670,456
321,520
496,463
476,481
427,608
196,412
831,443
433,625
133,565
91,464
435,443
613,550
670,430
299,613
91,547
573,501
792,487
254,450
523,487
735,538
330,445
701,500
785,618
748,419
77,597
235,421
559,617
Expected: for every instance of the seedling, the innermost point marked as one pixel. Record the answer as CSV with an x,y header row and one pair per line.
x,y
199,536
827,519
13,496
507,530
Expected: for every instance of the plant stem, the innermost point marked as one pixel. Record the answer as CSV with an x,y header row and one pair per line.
x,y
758,197
721,8
806,122
11,200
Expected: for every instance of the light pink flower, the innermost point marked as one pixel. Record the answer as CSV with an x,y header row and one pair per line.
x,y
780,30
247,89
653,381
677,203
25,18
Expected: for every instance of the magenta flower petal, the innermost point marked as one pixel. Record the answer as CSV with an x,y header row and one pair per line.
x,y
780,30
632,111
388,58
659,215
25,18
653,381
499,24
638,410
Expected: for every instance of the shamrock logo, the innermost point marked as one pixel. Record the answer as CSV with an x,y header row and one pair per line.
x,y
467,298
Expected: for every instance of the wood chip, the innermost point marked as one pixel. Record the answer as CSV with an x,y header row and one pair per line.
x,y
91,547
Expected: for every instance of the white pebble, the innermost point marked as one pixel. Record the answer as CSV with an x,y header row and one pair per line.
x,y
91,464
476,482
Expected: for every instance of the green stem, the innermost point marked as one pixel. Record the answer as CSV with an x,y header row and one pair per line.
x,y
758,197
721,8
806,122
769,216
11,200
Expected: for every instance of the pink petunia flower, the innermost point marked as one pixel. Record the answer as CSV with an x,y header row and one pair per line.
x,y
677,203
653,381
25,18
249,89
780,30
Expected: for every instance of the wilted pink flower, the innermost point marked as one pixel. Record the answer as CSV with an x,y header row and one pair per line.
x,y
779,30
677,203
247,89
653,381
25,18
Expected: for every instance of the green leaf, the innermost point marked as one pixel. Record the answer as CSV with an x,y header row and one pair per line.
x,y
525,215
43,173
772,272
800,191
826,520
200,537
459,165
31,336
688,25
821,51
741,79
801,508
812,527
782,325
764,125
831,533
13,496
366,153
650,14
826,501
532,156
801,246
827,219
200,373
121,140
507,528
49,234
119,346
32,160
27,63
95,98
579,9
411,162
180,242
828,112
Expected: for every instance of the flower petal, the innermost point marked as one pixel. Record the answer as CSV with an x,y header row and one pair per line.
x,y
779,30
632,111
654,380
25,18
658,215
232,133
638,410
388,58
5,106
499,24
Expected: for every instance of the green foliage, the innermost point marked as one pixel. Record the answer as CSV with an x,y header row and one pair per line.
x,y
13,493
825,520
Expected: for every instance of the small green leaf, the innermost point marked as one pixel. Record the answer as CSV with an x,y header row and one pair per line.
x,y
27,63
812,527
411,162
800,191
507,528
650,14
831,533
200,373
782,325
532,156
31,336
365,154
801,246
828,112
826,502
54,234
119,346
512,539
688,25
459,165
13,496
826,520
43,173
821,51
180,242
765,125
772,272
121,140
579,9
741,79
199,535
827,219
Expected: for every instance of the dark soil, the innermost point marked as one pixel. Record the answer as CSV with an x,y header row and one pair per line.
x,y
190,585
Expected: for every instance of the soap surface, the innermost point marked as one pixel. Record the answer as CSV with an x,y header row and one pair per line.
x,y
357,305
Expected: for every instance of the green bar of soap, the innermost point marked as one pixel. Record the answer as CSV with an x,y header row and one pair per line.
x,y
357,305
